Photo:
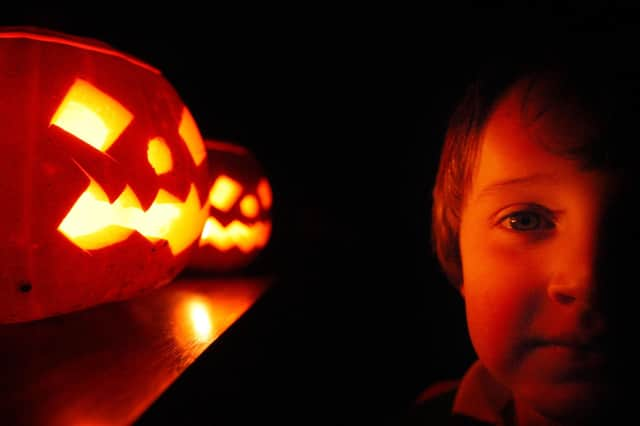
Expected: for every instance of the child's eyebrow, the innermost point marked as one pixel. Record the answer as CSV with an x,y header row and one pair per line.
x,y
538,178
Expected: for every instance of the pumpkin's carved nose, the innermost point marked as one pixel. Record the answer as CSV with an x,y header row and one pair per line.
x,y
249,206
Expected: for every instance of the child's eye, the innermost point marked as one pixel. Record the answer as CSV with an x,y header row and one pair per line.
x,y
527,221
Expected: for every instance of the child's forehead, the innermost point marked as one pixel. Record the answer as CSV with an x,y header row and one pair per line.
x,y
535,97
513,165
539,108
529,133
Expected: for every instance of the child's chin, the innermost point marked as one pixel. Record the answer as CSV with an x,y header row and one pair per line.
x,y
568,401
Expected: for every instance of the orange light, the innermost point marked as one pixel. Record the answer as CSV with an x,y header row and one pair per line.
x,y
200,321
91,115
94,223
264,192
196,324
236,234
190,134
249,206
159,156
224,193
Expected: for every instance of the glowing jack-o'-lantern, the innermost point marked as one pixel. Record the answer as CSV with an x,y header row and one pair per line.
x,y
104,176
240,198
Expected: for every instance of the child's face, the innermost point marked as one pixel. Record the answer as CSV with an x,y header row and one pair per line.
x,y
529,238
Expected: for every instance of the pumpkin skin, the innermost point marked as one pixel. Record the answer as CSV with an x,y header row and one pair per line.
x,y
239,224
95,137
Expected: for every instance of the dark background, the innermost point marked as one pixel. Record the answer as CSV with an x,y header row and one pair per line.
x,y
346,110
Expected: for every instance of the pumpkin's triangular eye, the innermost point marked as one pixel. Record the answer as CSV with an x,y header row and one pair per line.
x,y
224,193
190,134
91,115
264,193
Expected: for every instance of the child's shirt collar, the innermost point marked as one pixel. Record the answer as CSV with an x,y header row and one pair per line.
x,y
481,397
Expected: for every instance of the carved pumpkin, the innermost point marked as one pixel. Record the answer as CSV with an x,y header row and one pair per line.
x,y
104,175
240,198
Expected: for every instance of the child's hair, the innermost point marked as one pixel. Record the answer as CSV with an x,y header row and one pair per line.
x,y
604,87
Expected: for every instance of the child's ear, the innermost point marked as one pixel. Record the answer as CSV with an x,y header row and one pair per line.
x,y
461,289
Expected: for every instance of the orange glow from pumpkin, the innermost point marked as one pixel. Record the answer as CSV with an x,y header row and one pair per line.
x,y
236,234
249,206
264,192
159,156
224,193
190,134
91,115
94,223
200,320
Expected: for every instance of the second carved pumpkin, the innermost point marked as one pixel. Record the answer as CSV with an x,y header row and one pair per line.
x,y
239,223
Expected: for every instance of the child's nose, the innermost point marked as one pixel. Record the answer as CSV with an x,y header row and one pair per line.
x,y
575,276
575,287
595,264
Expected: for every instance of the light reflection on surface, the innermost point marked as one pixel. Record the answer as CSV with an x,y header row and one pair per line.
x,y
200,321
108,364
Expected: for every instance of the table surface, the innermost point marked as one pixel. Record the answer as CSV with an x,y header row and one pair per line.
x,y
108,364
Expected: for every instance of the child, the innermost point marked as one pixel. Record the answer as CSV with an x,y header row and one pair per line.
x,y
531,219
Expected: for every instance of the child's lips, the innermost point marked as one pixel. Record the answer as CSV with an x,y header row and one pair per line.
x,y
573,341
572,357
579,353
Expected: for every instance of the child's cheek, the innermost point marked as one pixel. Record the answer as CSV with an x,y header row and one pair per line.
x,y
503,285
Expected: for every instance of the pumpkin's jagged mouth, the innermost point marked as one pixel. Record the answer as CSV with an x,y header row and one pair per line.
x,y
94,223
236,234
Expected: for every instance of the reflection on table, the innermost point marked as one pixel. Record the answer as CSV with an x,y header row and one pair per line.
x,y
106,365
